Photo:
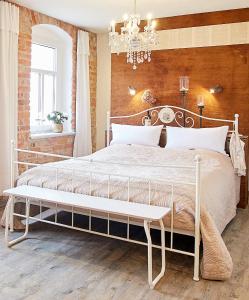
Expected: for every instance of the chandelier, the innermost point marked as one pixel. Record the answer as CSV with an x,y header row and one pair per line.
x,y
137,43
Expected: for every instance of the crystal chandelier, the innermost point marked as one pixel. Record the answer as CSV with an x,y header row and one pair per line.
x,y
138,44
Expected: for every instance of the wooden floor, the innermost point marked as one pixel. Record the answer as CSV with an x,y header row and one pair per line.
x,y
62,264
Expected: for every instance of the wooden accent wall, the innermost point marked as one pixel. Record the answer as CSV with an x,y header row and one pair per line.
x,y
227,66
201,19
206,67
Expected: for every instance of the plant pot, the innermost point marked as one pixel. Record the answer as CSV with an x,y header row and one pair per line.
x,y
57,128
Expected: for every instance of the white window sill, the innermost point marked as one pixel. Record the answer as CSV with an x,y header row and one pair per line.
x,y
45,135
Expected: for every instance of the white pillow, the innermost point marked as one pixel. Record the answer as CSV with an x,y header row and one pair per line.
x,y
213,138
139,135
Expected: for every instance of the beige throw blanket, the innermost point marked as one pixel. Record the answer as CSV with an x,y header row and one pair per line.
x,y
218,190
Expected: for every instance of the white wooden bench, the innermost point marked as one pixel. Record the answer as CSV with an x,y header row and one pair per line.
x,y
147,213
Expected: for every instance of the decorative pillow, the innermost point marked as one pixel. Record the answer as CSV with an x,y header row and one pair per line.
x,y
213,138
139,135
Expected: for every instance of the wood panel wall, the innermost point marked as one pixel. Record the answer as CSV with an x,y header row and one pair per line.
x,y
201,19
207,66
227,66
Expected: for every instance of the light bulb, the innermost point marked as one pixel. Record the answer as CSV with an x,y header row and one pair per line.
x,y
200,101
113,23
132,90
153,24
125,17
149,16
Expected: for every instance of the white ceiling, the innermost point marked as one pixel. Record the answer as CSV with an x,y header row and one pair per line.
x,y
96,15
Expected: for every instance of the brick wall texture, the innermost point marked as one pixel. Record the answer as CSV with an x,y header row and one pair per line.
x,y
60,145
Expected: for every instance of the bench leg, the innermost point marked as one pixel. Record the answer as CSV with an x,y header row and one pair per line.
x,y
11,222
152,282
9,216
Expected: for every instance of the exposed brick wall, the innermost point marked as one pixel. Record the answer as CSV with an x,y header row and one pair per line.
x,y
61,145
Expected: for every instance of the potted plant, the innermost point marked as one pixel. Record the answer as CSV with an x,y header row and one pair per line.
x,y
58,119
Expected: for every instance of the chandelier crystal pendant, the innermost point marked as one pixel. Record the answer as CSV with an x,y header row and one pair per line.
x,y
138,44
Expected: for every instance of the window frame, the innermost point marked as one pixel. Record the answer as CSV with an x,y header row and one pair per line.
x,y
55,37
42,125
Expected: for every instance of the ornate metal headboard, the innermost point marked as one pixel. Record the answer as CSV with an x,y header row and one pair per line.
x,y
169,114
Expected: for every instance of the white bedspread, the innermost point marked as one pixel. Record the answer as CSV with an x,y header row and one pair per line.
x,y
219,190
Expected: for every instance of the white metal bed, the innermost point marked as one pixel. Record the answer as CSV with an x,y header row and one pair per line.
x,y
177,117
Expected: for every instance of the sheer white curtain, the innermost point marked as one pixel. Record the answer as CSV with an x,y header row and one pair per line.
x,y
9,30
83,139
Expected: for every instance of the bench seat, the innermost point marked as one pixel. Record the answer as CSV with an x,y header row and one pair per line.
x,y
124,208
145,212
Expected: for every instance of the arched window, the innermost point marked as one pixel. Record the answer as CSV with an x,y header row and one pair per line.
x,y
51,76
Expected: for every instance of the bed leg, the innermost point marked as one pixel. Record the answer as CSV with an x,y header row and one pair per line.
x,y
9,214
152,282
197,259
197,220
196,270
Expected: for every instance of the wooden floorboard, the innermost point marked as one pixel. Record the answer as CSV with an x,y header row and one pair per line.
x,y
60,264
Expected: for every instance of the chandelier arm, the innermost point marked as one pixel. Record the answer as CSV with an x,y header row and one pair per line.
x,y
137,44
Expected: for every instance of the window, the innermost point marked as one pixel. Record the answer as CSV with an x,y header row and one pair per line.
x,y
51,76
42,86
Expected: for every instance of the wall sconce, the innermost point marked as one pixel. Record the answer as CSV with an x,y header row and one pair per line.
x,y
131,90
201,105
216,89
184,84
184,88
